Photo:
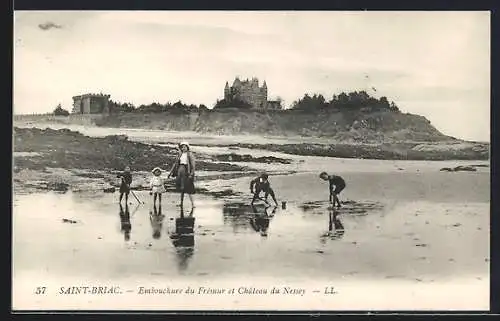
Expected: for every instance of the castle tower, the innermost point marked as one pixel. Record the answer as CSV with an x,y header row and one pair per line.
x,y
264,90
263,95
227,91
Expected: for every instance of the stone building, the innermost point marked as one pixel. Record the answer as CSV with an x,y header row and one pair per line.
x,y
250,92
91,104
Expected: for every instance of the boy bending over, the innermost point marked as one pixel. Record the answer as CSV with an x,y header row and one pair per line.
x,y
336,185
261,184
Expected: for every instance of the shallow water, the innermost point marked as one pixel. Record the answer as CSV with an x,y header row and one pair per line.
x,y
416,239
223,234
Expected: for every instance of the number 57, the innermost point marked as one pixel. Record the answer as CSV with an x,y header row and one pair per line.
x,y
40,290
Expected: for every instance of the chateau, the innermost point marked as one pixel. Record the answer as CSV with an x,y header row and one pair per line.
x,y
249,91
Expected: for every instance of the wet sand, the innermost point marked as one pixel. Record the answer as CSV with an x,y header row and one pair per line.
x,y
410,240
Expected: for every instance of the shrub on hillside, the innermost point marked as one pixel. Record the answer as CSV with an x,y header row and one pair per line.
x,y
351,101
59,111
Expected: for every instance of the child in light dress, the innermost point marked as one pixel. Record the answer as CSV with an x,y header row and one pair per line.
x,y
156,185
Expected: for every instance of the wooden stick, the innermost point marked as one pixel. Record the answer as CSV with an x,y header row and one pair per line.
x,y
138,200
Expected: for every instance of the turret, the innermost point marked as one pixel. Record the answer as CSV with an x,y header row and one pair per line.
x,y
227,91
264,92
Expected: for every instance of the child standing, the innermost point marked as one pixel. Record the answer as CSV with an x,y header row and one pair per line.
x,y
126,180
336,185
156,185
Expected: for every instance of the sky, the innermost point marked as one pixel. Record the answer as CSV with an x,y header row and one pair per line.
x,y
435,64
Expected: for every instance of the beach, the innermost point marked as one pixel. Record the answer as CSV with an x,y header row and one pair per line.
x,y
407,231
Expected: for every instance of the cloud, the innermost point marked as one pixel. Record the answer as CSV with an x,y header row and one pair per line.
x,y
49,25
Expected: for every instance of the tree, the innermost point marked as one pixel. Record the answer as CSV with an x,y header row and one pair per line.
x,y
116,107
342,100
59,111
354,101
309,103
393,107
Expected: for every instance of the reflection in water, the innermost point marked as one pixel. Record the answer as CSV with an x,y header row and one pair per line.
x,y
156,218
126,226
260,220
335,227
353,208
183,238
236,214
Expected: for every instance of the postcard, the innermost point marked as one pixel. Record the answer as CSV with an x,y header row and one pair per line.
x,y
251,160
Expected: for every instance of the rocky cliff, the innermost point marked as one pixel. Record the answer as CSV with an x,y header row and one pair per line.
x,y
347,126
